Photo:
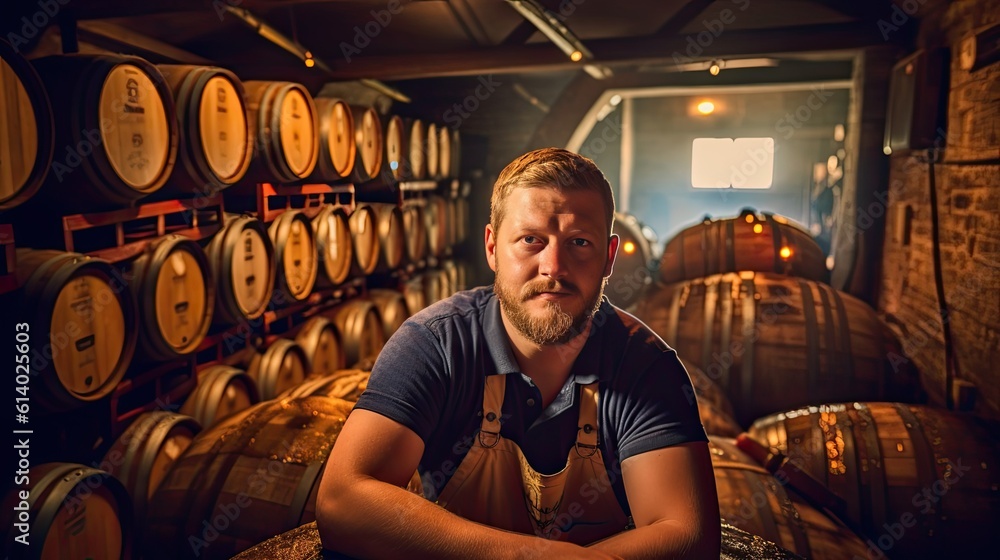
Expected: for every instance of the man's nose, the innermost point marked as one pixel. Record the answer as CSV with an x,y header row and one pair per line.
x,y
553,261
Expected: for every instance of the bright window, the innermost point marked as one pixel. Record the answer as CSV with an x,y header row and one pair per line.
x,y
741,163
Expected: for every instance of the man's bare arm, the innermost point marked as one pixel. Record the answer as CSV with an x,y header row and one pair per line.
x,y
363,510
674,504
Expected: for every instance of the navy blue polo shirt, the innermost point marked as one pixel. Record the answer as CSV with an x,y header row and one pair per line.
x,y
431,375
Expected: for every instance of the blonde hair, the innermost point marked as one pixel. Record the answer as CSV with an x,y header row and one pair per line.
x,y
551,168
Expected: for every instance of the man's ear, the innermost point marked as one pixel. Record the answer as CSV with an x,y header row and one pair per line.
x,y
490,242
613,242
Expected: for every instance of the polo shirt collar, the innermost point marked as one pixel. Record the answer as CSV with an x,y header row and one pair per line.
x,y
586,368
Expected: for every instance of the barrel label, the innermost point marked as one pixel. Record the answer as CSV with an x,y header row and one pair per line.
x,y
137,140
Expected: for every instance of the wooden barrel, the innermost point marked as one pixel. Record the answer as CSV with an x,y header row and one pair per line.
x,y
304,543
392,307
416,152
295,254
365,240
27,137
456,154
436,221
143,455
444,152
241,257
360,326
631,273
437,285
462,225
347,384
173,285
285,129
714,407
284,364
370,146
391,236
222,390
337,148
215,146
775,342
432,155
760,242
334,245
72,512
320,341
922,481
394,151
415,232
83,323
253,475
753,500
413,293
114,115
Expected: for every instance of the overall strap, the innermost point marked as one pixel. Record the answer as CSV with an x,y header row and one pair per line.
x,y
586,436
489,431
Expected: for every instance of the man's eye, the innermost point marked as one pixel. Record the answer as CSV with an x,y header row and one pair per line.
x,y
529,239
580,242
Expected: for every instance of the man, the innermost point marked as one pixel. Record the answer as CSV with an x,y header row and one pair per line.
x,y
545,422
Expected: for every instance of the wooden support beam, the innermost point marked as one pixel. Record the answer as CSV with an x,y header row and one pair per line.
x,y
690,10
526,58
117,37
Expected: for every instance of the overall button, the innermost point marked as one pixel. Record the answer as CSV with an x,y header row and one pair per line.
x,y
531,402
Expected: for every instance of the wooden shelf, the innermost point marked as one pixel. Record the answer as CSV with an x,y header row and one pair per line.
x,y
127,224
314,197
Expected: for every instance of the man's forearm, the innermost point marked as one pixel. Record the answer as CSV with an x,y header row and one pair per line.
x,y
373,519
664,540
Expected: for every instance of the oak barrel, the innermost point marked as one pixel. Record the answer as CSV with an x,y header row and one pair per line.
x,y
432,155
760,242
251,476
413,292
320,341
456,154
922,481
391,236
370,145
115,120
444,152
364,239
222,390
394,151
392,307
415,232
215,146
713,406
334,245
295,253
27,137
282,365
437,285
173,285
436,222
83,322
631,273
285,129
241,257
347,384
337,148
141,457
416,149
303,543
757,502
776,342
360,326
73,512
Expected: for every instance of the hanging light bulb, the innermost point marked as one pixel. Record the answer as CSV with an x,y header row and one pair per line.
x,y
309,60
715,68
706,107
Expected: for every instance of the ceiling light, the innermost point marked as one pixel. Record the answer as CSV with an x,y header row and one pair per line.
x,y
706,107
715,68
558,33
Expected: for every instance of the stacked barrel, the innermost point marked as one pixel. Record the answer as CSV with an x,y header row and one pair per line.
x,y
767,342
159,318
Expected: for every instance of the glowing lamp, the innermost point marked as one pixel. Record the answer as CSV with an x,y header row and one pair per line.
x,y
785,253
